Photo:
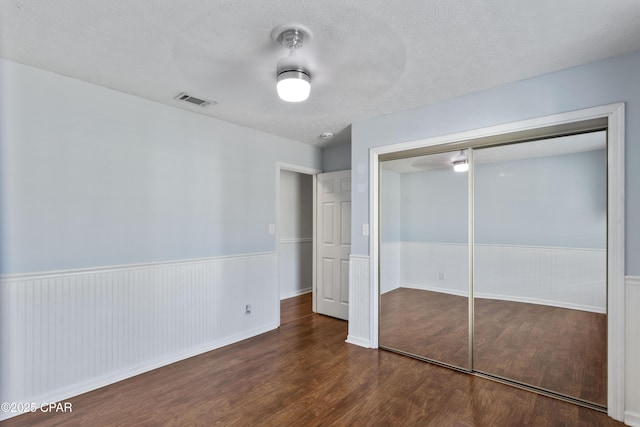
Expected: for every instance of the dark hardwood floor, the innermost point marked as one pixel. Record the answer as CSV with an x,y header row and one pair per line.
x,y
296,308
553,348
557,349
305,374
428,324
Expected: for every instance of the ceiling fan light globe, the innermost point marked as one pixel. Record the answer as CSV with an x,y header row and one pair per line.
x,y
293,86
461,166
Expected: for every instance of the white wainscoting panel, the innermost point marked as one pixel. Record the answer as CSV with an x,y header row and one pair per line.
x,y
562,277
422,263
390,258
295,266
359,301
65,333
632,356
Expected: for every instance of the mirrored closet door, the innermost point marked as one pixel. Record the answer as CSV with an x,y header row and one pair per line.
x,y
424,258
540,264
493,260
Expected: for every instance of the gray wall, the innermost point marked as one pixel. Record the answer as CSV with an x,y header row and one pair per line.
x,y
336,158
295,253
296,205
608,81
94,177
547,201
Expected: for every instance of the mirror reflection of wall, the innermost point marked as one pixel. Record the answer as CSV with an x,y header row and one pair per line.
x,y
539,262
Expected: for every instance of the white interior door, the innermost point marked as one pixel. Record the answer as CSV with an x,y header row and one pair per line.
x,y
334,243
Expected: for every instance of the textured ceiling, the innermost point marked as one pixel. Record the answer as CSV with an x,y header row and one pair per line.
x,y
367,58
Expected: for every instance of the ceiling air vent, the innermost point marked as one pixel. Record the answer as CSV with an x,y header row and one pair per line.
x,y
193,100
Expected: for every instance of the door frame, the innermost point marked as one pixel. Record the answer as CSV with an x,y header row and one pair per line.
x,y
282,166
615,116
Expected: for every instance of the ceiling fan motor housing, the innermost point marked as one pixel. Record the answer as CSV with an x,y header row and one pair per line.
x,y
293,64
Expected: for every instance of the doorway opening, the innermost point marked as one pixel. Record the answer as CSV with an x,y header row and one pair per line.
x,y
295,241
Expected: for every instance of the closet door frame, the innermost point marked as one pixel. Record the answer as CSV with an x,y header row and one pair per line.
x,y
609,116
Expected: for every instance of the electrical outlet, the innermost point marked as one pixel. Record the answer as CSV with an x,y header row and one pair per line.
x,y
442,276
247,309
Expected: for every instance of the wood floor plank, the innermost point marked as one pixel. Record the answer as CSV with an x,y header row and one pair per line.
x,y
296,308
429,324
553,348
305,374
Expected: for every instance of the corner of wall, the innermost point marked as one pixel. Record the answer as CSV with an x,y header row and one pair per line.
x,y
336,157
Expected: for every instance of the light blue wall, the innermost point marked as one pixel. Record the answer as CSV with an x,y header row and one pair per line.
x,y
604,82
390,201
336,158
94,177
434,206
558,201
555,201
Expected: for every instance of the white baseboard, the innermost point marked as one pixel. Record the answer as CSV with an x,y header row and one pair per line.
x,y
96,383
295,293
632,418
513,298
392,288
358,341
425,287
540,301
